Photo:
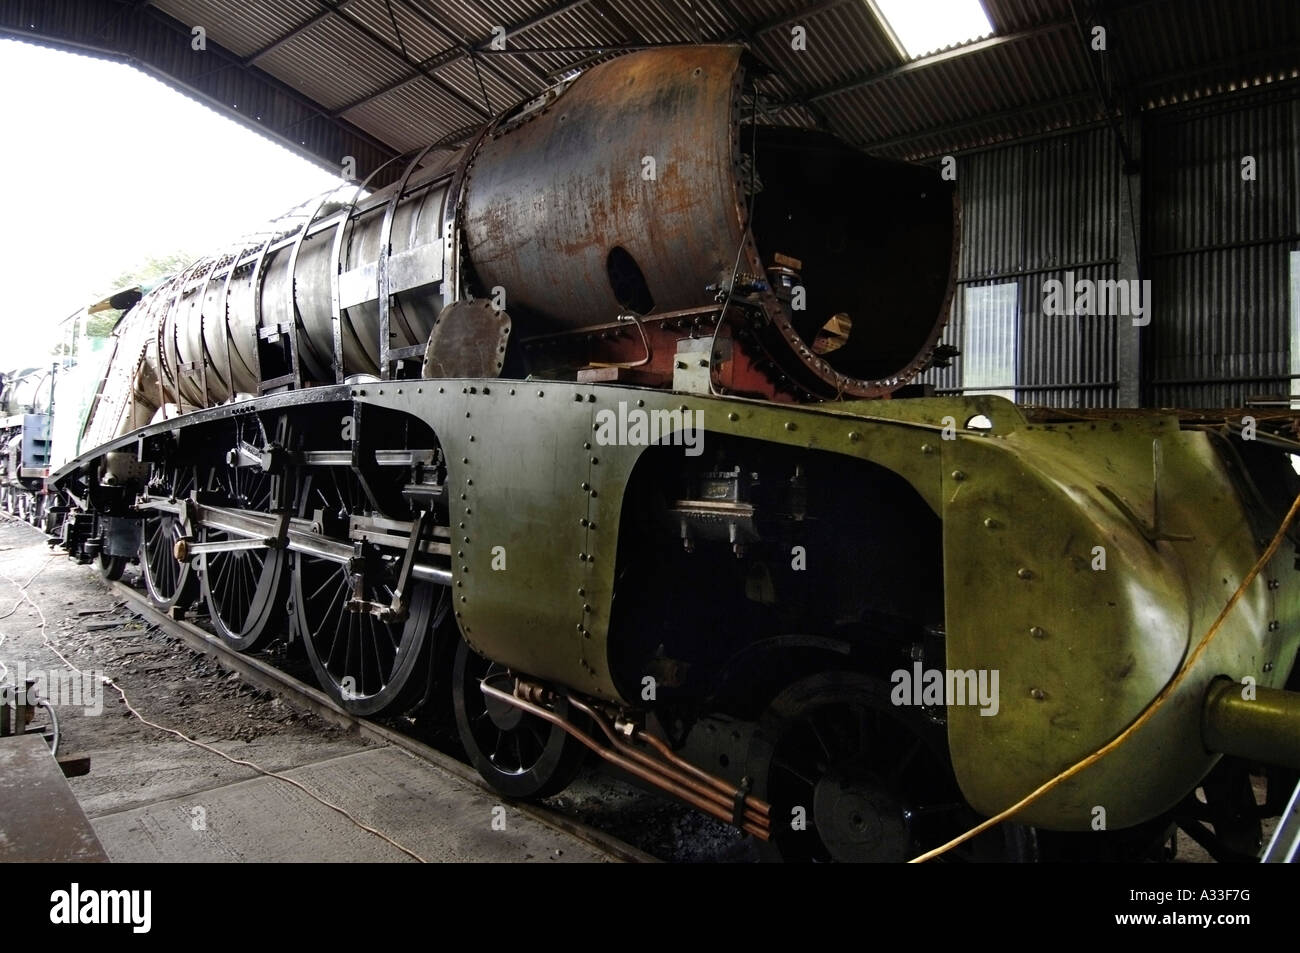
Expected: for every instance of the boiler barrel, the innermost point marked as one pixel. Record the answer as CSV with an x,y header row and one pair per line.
x,y
642,186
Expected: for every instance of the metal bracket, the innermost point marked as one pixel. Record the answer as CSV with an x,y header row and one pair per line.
x,y
397,610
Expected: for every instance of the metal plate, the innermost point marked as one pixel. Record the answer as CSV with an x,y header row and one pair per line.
x,y
468,340
40,819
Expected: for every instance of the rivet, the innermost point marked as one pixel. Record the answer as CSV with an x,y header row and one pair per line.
x,y
1037,632
1273,626
990,523
460,554
471,438
854,436
577,397
789,425
582,592
1268,666
582,557
927,448
958,475
464,459
469,482
462,599
640,402
583,521
1273,583
1025,573
586,486
733,416
594,461
586,446
539,393
442,390
586,608
1037,694
579,626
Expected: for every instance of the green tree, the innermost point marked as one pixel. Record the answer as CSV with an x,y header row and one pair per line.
x,y
145,275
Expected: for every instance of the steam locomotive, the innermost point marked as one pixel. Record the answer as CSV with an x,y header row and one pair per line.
x,y
25,441
601,435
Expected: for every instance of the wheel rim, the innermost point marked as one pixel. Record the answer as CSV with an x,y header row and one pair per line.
x,y
169,582
110,567
244,589
368,666
519,754
870,781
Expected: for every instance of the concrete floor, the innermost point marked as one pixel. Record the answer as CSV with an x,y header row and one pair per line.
x,y
153,797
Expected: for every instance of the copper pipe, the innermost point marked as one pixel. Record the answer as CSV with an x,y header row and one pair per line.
x,y
724,798
658,744
656,778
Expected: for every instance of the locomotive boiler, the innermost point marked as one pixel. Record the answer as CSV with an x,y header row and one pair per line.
x,y
597,435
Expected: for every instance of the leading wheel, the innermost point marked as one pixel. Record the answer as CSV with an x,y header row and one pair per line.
x,y
110,567
518,754
366,665
852,777
169,582
245,589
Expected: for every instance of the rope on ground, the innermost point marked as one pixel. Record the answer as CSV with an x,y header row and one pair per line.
x,y
24,597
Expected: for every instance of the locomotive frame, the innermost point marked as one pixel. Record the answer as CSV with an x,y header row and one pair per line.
x,y
455,533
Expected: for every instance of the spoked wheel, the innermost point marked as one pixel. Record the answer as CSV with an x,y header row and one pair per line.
x,y
518,754
244,589
169,582
852,777
366,665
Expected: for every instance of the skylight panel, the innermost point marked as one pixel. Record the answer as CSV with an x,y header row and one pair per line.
x,y
918,27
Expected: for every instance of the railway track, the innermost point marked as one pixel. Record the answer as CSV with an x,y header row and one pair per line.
x,y
305,697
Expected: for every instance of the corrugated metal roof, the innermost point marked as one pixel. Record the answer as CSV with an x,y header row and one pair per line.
x,y
1035,74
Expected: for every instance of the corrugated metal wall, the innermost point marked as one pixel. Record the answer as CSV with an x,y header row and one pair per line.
x,y
1217,250
1032,212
